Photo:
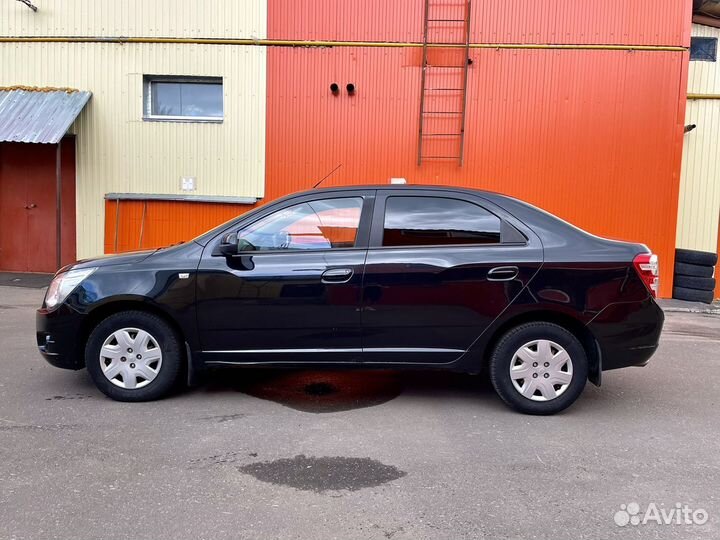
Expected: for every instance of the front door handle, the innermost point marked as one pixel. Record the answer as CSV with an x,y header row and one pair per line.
x,y
337,275
503,273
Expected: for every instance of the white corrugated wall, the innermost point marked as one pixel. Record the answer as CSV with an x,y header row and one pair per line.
x,y
116,150
699,203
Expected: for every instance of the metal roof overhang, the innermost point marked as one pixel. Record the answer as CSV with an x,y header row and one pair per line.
x,y
39,115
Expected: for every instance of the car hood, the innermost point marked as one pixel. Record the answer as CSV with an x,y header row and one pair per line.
x,y
132,257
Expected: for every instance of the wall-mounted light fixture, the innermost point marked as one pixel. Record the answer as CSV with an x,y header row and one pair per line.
x,y
29,4
335,89
350,89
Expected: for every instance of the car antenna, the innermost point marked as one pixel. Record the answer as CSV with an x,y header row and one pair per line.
x,y
328,175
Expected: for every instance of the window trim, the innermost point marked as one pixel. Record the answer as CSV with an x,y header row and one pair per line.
x,y
147,99
378,221
708,39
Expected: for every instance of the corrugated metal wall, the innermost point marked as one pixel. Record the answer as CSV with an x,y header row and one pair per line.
x,y
153,18
606,22
590,135
717,267
131,225
593,136
116,150
700,193
699,206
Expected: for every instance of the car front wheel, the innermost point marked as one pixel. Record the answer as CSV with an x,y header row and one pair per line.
x,y
539,368
133,356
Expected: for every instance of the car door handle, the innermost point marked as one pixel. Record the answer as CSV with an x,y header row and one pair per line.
x,y
337,275
503,273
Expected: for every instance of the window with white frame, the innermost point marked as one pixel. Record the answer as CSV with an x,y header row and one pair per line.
x,y
183,99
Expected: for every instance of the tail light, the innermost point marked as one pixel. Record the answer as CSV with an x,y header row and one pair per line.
x,y
647,267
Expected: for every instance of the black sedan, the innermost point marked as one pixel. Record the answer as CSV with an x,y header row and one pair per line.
x,y
380,276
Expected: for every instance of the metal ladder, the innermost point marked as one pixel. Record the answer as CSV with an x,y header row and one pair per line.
x,y
443,93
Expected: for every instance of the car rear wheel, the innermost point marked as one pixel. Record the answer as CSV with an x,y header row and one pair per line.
x,y
133,356
539,368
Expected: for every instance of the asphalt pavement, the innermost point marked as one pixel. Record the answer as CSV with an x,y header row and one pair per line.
x,y
387,455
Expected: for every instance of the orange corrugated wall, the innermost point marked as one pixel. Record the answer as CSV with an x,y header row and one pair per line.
x,y
165,222
594,136
606,22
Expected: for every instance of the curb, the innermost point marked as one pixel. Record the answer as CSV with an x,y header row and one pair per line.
x,y
680,306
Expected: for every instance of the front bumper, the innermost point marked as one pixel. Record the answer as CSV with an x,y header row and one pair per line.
x,y
628,333
58,339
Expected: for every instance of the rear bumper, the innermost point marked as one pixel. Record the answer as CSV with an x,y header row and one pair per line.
x,y
628,333
57,334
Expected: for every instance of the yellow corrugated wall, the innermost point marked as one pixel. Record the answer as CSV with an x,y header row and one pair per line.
x,y
147,18
699,204
116,150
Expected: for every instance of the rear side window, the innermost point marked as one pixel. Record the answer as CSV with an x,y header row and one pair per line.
x,y
432,221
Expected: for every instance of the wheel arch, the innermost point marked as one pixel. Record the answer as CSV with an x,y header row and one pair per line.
x,y
572,325
105,310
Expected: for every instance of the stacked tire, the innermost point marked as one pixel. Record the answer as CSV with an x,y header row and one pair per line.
x,y
694,279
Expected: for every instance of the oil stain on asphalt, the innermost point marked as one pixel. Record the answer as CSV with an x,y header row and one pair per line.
x,y
220,418
69,396
320,474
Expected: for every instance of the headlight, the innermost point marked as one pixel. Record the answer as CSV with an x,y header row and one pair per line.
x,y
64,284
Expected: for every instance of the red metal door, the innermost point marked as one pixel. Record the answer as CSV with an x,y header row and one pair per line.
x,y
28,206
13,215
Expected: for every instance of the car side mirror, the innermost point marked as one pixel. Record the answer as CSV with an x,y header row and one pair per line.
x,y
232,244
229,244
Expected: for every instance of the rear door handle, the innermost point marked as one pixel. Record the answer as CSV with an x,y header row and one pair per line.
x,y
337,275
503,273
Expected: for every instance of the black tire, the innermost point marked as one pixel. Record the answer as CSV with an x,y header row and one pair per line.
x,y
698,283
167,340
515,339
703,258
693,295
696,270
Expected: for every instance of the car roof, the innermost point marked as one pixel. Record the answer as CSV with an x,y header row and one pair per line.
x,y
402,187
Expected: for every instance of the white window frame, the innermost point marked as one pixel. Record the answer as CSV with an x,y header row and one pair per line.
x,y
147,98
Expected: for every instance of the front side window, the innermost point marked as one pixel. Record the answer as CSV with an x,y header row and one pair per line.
x,y
430,221
322,224
183,98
